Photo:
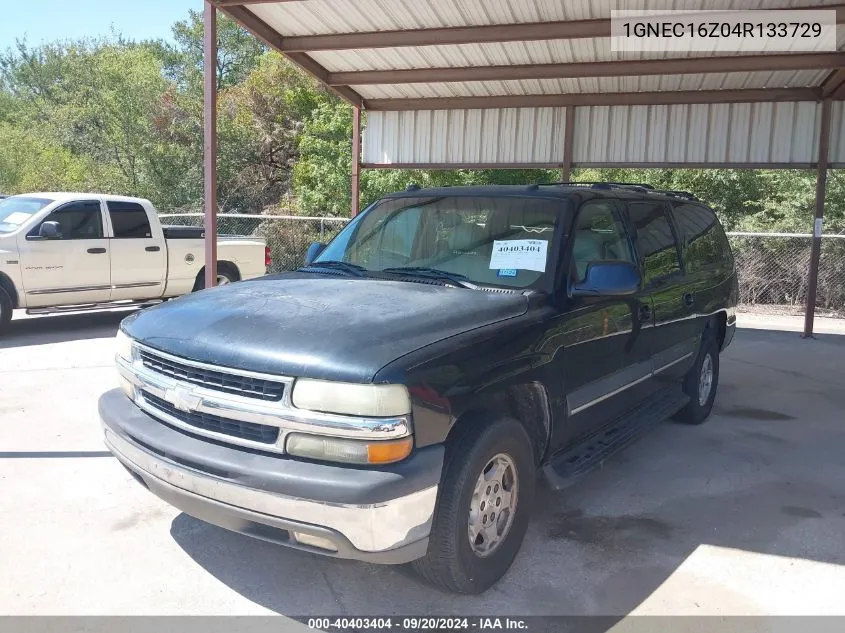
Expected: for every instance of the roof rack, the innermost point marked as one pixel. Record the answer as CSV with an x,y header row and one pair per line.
x,y
630,186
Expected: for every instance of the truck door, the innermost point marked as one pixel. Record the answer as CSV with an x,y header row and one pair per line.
x,y
674,340
606,354
72,267
138,252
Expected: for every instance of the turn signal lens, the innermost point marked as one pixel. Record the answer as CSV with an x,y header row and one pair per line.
x,y
338,449
389,452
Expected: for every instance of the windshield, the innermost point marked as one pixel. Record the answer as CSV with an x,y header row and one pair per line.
x,y
16,210
504,241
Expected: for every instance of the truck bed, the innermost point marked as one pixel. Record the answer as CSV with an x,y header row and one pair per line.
x,y
183,232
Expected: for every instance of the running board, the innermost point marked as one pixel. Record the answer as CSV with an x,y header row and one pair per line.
x,y
580,459
91,307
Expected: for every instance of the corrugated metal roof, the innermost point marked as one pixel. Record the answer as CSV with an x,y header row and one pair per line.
x,y
352,16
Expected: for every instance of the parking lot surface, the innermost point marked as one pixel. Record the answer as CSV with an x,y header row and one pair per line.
x,y
743,515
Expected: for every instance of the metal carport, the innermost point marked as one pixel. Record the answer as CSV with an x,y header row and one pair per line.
x,y
519,84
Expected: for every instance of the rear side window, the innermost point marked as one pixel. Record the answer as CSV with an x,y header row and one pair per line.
x,y
703,240
129,220
80,220
655,241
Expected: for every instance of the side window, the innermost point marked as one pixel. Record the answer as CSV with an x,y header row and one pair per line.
x,y
599,235
655,241
704,242
80,220
129,220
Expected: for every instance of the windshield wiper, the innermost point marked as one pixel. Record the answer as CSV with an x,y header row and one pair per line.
x,y
432,273
352,269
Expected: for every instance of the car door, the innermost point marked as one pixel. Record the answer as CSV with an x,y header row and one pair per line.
x,y
604,353
673,343
72,268
138,252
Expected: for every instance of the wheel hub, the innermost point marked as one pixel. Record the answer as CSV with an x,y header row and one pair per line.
x,y
493,505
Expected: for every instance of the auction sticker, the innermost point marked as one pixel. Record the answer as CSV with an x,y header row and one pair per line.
x,y
519,255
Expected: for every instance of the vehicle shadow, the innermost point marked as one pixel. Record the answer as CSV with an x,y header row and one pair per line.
x,y
40,330
751,480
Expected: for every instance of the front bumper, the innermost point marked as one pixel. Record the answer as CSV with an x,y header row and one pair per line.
x,y
377,515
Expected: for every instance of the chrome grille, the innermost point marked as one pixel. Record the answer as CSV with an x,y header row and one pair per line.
x,y
219,380
214,423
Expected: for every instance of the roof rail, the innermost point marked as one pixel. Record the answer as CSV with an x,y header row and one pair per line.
x,y
631,186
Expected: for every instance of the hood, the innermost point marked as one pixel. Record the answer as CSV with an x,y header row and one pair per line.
x,y
320,327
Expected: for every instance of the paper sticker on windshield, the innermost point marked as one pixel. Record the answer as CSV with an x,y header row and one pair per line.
x,y
519,254
16,218
506,272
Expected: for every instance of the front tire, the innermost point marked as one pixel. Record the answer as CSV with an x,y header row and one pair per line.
x,y
5,309
701,382
486,494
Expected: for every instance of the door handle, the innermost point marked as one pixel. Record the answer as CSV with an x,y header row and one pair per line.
x,y
689,299
152,249
97,251
645,313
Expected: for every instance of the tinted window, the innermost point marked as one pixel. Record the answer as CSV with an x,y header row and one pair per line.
x,y
501,241
599,234
128,219
18,210
655,240
704,242
77,221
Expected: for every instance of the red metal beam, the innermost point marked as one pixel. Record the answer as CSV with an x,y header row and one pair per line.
x,y
209,132
356,160
667,97
271,37
834,82
472,34
623,68
568,144
815,252
235,3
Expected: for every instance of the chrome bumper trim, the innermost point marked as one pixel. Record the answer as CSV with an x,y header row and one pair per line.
x,y
370,528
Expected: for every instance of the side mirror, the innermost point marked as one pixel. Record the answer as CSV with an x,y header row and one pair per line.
x,y
49,230
608,279
314,250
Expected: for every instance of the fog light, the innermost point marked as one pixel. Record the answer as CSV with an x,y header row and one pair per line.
x,y
314,541
127,388
338,449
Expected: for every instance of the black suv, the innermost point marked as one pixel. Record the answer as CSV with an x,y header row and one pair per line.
x,y
395,398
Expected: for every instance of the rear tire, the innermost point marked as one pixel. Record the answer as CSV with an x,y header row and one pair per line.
x,y
5,309
226,274
701,382
489,466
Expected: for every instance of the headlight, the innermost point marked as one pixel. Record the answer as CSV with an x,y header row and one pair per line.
x,y
348,451
379,401
123,346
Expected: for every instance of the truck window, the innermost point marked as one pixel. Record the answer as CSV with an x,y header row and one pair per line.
x,y
655,240
598,235
129,220
81,220
703,241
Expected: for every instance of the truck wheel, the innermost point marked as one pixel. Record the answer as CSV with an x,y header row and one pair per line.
x,y
5,309
700,382
226,274
486,494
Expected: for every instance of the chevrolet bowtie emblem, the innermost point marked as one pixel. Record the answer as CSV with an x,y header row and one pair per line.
x,y
182,399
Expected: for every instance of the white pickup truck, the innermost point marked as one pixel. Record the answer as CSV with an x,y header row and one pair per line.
x,y
59,250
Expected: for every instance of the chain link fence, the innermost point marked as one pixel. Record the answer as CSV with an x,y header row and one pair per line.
x,y
288,236
773,267
774,272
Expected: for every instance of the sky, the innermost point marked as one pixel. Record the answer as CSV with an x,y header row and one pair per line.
x,y
47,20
